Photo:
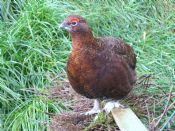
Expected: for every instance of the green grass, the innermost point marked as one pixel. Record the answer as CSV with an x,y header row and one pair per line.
x,y
33,50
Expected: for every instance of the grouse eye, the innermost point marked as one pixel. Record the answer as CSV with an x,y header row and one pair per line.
x,y
74,23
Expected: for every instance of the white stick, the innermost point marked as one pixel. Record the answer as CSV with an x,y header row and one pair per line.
x,y
127,120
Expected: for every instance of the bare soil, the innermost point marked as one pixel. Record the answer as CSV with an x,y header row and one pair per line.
x,y
73,120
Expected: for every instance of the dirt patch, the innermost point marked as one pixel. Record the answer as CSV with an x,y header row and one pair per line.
x,y
144,106
69,122
74,120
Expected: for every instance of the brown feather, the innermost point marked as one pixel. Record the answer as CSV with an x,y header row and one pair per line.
x,y
101,67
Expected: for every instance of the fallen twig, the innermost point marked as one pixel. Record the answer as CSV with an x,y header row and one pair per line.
x,y
165,110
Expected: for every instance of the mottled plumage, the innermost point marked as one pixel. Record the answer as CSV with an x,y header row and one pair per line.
x,y
99,68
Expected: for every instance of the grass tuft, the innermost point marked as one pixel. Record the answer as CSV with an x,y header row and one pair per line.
x,y
33,51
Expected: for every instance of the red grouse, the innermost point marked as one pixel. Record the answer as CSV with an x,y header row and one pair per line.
x,y
99,67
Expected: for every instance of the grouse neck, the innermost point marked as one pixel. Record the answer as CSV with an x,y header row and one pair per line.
x,y
80,39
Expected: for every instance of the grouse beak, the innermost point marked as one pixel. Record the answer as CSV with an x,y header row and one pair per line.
x,y
65,26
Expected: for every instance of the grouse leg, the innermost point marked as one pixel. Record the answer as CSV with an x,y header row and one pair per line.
x,y
112,104
95,109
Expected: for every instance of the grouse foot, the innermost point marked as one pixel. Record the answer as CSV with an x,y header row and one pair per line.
x,y
95,109
112,104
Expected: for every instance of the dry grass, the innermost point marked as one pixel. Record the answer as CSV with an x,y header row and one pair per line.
x,y
144,105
